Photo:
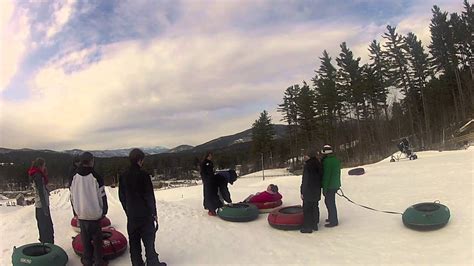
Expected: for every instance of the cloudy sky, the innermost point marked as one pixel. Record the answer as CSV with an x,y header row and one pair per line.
x,y
115,74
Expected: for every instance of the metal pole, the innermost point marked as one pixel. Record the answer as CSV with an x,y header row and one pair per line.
x,y
271,159
263,168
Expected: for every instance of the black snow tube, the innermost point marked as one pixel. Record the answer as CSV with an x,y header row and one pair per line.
x,y
38,254
239,212
357,171
287,218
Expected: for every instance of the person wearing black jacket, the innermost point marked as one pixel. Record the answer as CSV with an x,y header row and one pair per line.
x,y
209,184
311,191
138,201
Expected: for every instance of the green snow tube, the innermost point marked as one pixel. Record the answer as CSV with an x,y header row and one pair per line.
x,y
426,216
38,254
239,212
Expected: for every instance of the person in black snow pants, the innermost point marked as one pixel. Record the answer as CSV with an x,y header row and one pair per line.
x,y
138,201
38,176
209,185
311,191
90,205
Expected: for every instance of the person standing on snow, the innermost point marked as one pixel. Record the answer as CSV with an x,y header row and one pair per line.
x,y
209,185
311,191
90,205
38,176
138,201
331,183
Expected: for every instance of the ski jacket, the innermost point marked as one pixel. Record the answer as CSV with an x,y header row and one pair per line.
x,y
136,193
39,186
311,180
265,196
331,172
207,170
88,197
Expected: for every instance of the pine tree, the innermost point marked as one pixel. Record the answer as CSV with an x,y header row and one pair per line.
x,y
327,97
289,110
420,72
380,67
306,113
349,81
445,60
398,69
468,20
262,133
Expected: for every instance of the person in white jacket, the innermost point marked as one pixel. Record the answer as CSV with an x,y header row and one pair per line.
x,y
90,205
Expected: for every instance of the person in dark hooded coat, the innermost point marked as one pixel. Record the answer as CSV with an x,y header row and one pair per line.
x,y
209,184
311,191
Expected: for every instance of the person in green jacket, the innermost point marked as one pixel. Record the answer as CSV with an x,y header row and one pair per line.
x,y
331,183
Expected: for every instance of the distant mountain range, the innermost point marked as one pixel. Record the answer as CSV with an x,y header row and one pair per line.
x,y
119,152
215,144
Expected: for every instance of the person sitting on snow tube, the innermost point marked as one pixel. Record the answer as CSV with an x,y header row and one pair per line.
x,y
260,198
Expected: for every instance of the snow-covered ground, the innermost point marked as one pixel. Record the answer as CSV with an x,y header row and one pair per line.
x,y
188,236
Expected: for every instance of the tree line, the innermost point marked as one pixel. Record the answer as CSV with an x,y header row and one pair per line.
x,y
348,104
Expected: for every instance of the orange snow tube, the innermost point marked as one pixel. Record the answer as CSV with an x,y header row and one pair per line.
x,y
104,222
287,218
114,243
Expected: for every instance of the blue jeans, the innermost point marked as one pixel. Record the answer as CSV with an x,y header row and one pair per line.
x,y
330,201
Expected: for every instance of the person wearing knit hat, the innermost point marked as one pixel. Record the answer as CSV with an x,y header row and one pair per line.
x,y
327,149
331,183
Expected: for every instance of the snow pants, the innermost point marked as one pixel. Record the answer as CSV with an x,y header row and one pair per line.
x,y
142,230
311,214
91,231
45,225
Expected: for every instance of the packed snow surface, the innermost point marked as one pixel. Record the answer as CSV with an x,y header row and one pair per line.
x,y
188,236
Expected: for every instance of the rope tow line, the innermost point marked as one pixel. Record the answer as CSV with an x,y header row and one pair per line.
x,y
341,193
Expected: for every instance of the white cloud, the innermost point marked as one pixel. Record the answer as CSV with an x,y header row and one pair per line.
x,y
14,34
62,13
195,86
194,82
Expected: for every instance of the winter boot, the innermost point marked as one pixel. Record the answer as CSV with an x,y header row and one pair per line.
x,y
331,225
306,230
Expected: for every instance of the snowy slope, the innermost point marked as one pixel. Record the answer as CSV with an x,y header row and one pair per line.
x,y
187,236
